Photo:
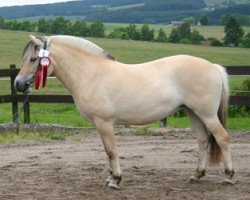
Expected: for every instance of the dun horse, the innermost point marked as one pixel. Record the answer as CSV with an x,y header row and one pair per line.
x,y
107,92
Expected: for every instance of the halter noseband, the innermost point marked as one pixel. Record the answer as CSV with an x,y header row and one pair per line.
x,y
42,67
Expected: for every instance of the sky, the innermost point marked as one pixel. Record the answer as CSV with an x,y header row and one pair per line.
x,y
27,2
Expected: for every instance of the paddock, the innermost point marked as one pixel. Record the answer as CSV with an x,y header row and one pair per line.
x,y
156,164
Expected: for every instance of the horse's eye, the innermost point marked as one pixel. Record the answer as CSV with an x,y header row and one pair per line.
x,y
33,59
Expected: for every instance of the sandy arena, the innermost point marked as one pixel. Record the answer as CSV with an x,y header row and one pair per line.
x,y
154,167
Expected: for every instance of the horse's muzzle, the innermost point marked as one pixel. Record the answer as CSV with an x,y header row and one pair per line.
x,y
22,83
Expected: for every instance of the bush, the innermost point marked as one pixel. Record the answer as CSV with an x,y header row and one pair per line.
x,y
215,42
246,84
245,42
238,111
196,37
119,33
185,41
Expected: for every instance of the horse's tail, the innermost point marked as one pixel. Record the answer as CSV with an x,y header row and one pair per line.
x,y
215,150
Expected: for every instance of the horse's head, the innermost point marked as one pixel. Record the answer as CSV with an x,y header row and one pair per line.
x,y
31,62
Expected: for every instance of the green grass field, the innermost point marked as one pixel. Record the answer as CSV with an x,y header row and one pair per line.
x,y
12,44
206,31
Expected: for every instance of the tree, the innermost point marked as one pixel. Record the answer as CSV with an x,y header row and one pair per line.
x,y
204,20
161,36
80,29
146,33
2,23
133,33
234,32
97,29
42,26
174,36
244,20
61,26
26,26
11,25
184,29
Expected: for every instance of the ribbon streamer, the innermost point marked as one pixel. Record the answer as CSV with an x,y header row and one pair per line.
x,y
41,78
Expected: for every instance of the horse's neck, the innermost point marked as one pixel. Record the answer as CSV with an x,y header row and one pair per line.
x,y
76,70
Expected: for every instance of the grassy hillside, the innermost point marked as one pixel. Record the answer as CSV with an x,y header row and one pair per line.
x,y
12,44
135,11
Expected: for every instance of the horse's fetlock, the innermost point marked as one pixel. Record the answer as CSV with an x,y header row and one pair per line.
x,y
230,173
200,173
117,178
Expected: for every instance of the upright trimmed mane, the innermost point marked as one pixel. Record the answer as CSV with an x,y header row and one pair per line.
x,y
83,44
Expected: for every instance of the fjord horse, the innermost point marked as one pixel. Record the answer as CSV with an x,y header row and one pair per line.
x,y
107,92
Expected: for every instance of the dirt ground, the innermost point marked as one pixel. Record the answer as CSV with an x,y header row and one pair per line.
x,y
154,167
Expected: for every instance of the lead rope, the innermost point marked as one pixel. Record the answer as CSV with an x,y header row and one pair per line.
x,y
26,93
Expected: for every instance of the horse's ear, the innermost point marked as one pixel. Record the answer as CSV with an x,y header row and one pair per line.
x,y
36,41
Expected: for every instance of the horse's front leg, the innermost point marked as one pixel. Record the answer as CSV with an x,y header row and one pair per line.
x,y
106,130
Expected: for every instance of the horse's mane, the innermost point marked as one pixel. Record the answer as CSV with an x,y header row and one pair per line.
x,y
83,44
76,41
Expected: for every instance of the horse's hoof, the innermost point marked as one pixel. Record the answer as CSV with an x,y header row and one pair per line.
x,y
111,185
193,179
228,182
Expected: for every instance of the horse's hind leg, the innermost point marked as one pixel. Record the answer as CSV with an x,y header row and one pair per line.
x,y
222,139
202,137
106,131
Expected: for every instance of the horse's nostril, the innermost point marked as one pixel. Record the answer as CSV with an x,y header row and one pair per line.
x,y
21,83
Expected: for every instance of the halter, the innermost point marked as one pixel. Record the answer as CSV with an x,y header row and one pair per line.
x,y
42,68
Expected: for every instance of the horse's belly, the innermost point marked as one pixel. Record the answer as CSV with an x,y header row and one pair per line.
x,y
145,114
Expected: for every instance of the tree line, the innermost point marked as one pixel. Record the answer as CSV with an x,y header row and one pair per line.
x,y
234,34
59,25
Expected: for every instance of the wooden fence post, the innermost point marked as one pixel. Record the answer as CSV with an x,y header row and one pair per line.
x,y
13,94
26,112
163,122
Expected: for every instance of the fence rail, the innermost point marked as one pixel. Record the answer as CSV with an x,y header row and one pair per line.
x,y
15,98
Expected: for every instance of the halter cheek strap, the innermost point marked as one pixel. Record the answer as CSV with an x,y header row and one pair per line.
x,y
42,68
